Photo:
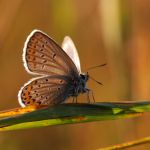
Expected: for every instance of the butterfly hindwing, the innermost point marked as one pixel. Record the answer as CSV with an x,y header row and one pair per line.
x,y
44,91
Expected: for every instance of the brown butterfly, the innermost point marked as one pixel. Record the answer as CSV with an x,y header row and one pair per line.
x,y
58,69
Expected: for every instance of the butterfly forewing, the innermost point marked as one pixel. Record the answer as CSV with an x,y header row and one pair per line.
x,y
44,91
44,56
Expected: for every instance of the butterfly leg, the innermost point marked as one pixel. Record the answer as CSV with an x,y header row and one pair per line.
x,y
74,100
75,95
88,95
92,96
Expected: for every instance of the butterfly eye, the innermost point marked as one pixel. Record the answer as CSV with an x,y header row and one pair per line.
x,y
82,76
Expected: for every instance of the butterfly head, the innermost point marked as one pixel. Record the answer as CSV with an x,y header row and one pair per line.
x,y
84,77
82,82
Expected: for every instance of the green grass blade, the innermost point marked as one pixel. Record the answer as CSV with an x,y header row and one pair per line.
x,y
73,113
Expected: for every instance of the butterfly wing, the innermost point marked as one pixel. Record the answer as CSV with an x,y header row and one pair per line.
x,y
49,90
69,47
43,56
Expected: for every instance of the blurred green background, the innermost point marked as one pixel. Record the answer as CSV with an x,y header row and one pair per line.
x,y
113,32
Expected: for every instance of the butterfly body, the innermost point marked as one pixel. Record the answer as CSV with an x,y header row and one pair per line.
x,y
58,69
79,85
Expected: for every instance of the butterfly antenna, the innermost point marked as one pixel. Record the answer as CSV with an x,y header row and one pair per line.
x,y
95,67
95,80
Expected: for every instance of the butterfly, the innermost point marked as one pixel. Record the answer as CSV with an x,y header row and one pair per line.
x,y
58,70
